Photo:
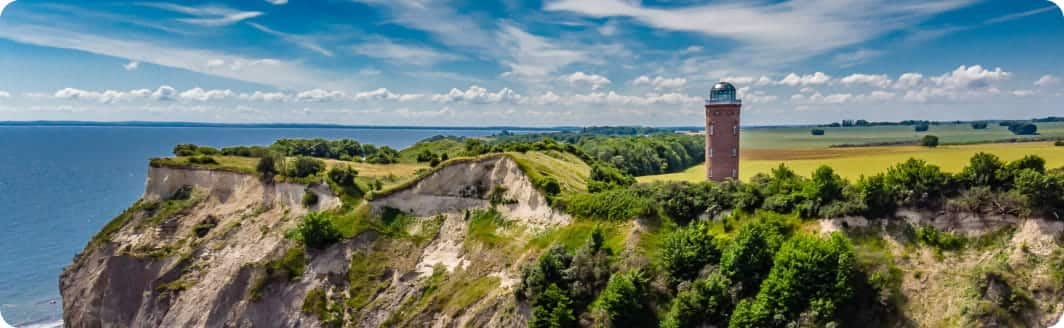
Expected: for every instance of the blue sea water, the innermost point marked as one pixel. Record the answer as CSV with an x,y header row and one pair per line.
x,y
60,184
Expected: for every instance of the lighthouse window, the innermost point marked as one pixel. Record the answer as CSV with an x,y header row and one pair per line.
x,y
734,152
734,173
710,152
735,130
711,128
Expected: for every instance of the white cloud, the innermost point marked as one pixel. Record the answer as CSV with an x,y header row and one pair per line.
x,y
755,96
1023,93
1047,81
277,2
973,77
660,82
747,80
264,71
596,81
4,94
131,66
199,94
265,96
532,56
207,15
909,80
879,81
385,49
165,92
478,95
784,31
319,95
817,78
299,40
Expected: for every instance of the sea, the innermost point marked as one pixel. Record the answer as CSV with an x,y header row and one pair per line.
x,y
60,183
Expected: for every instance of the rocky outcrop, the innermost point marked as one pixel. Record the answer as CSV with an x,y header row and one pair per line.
x,y
191,262
468,184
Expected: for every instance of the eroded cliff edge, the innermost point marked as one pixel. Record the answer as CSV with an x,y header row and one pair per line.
x,y
205,248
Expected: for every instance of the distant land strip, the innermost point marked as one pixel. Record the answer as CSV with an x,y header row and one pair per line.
x,y
974,142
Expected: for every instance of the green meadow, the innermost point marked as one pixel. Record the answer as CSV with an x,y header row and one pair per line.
x,y
800,137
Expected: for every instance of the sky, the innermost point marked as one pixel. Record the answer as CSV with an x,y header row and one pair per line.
x,y
529,63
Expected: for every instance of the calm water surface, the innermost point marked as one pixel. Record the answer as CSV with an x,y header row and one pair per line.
x,y
59,185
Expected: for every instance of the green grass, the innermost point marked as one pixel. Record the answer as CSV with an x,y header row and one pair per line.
x,y
576,234
236,164
484,226
451,146
851,163
800,137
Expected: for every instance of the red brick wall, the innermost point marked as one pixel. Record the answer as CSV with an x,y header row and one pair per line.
x,y
722,141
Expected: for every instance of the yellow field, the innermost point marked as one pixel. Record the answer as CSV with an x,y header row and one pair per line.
x,y
851,163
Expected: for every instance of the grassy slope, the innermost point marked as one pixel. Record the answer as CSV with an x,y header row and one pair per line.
x,y
450,146
851,163
795,137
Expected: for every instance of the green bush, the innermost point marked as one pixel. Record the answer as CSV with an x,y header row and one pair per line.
x,y
686,251
548,270
309,199
202,160
979,125
1023,128
267,166
1042,191
877,196
623,302
809,275
917,183
344,176
708,302
749,257
612,205
605,177
983,170
552,310
317,230
817,132
684,202
921,127
1059,143
940,240
303,167
929,141
291,265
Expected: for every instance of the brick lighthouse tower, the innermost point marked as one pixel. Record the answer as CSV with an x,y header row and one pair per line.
x,y
722,133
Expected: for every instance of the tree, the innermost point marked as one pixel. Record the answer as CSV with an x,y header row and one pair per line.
x,y
929,141
318,231
683,202
267,166
343,176
552,310
623,300
549,270
921,127
983,170
605,177
686,251
825,186
817,132
305,167
748,259
1042,191
709,301
589,270
876,195
1023,128
979,125
809,275
914,182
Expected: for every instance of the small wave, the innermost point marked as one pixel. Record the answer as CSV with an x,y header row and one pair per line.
x,y
42,324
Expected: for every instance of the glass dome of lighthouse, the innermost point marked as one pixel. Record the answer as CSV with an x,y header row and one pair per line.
x,y
723,93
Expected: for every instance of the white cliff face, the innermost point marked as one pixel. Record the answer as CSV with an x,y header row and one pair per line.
x,y
158,272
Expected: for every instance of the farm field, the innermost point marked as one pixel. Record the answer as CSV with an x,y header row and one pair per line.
x,y
851,163
800,137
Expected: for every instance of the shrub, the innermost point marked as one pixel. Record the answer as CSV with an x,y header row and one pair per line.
x,y
978,125
809,275
817,132
305,167
686,251
683,202
343,176
748,259
589,270
310,199
185,150
824,187
318,231
202,160
1042,191
613,205
267,166
552,310
940,240
1059,143
929,141
605,177
876,196
1023,128
709,302
548,271
292,264
921,127
983,170
623,300
914,182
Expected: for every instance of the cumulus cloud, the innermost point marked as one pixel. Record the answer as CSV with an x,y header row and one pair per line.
x,y
879,81
265,96
199,94
970,77
660,82
1047,81
165,92
817,78
478,95
909,81
131,66
319,95
594,80
1023,93
755,96
4,94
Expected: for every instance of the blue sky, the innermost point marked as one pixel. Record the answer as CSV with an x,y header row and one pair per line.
x,y
530,63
